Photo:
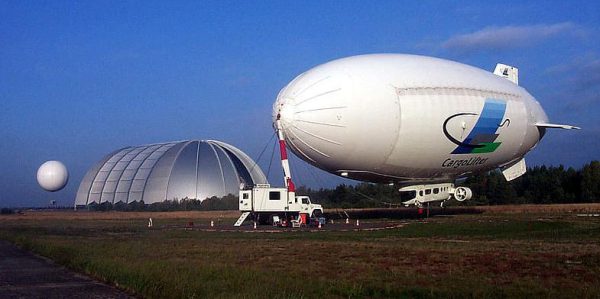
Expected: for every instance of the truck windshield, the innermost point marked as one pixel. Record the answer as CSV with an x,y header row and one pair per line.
x,y
305,200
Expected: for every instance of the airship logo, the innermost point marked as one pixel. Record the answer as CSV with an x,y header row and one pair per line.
x,y
482,137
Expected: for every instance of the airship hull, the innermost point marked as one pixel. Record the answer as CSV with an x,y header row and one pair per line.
x,y
406,118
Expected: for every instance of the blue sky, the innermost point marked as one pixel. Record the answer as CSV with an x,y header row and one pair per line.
x,y
81,79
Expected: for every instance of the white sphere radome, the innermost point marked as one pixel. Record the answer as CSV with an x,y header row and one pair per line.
x,y
52,176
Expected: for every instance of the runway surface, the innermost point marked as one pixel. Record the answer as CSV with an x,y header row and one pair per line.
x,y
24,275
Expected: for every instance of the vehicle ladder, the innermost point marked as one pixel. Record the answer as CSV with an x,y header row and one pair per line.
x,y
241,219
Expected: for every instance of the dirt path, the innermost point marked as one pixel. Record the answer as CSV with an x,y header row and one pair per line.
x,y
24,275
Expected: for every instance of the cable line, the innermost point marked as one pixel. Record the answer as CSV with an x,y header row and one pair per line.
x,y
261,153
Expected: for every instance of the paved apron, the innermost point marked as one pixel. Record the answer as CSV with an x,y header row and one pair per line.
x,y
24,275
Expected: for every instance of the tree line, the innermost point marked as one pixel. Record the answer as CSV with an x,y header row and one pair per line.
x,y
228,202
539,185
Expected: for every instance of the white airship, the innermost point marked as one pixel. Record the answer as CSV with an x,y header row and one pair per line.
x,y
417,121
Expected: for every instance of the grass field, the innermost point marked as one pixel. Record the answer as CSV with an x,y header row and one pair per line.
x,y
514,251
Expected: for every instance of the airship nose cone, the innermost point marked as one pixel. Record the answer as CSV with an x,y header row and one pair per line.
x,y
312,110
286,111
331,114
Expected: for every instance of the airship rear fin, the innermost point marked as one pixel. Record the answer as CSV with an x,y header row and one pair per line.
x,y
515,170
557,126
506,71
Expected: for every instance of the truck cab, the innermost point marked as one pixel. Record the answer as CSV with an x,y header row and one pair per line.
x,y
314,210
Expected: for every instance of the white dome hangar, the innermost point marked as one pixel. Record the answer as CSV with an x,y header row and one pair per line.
x,y
193,169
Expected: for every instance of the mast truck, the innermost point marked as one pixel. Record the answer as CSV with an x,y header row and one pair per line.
x,y
268,204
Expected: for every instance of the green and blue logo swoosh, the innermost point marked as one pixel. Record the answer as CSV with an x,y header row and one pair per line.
x,y
482,138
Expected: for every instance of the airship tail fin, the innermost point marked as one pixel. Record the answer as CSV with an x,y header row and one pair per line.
x,y
514,170
506,71
557,126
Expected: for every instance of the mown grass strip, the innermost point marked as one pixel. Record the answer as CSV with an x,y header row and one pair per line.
x,y
463,256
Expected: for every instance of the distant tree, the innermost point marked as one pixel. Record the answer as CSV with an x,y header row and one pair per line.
x,y
6,211
570,183
120,206
105,206
228,202
590,182
478,184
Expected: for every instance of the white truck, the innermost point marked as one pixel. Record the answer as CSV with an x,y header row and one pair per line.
x,y
274,205
265,202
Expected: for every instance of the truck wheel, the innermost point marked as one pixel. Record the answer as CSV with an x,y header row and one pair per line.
x,y
317,213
